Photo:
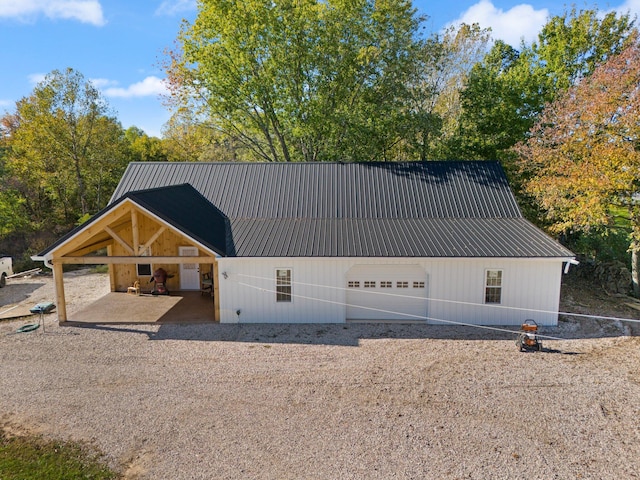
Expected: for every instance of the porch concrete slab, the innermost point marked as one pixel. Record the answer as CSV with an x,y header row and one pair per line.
x,y
117,307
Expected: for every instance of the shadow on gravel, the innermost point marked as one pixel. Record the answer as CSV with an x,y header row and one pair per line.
x,y
551,350
18,292
326,334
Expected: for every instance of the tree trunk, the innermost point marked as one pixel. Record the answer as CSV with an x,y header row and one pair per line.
x,y
634,273
82,196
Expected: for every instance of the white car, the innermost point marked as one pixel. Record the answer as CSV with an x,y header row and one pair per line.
x,y
6,269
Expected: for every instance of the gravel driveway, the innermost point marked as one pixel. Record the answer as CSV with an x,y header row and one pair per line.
x,y
329,401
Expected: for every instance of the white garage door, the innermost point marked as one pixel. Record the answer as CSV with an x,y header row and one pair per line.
x,y
387,292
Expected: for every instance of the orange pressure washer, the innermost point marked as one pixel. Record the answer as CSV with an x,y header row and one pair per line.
x,y
528,338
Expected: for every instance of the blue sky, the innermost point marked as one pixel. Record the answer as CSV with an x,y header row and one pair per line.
x,y
119,44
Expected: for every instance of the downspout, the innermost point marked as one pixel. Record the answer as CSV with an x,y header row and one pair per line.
x,y
47,263
216,291
573,261
58,282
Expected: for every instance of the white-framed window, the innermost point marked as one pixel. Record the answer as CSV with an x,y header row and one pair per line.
x,y
283,285
353,284
386,284
369,284
402,284
144,269
418,284
493,286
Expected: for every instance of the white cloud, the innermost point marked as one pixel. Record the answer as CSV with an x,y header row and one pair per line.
x,y
85,11
36,78
174,7
103,82
511,26
149,86
5,103
629,6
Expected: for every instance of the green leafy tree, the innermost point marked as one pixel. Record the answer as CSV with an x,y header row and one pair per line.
x,y
570,46
188,138
582,161
11,215
300,80
500,104
143,148
508,90
442,66
66,152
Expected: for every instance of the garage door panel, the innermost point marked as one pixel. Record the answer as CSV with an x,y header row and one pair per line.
x,y
386,292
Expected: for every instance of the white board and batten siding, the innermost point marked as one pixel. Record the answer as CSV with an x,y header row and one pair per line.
x,y
454,290
250,287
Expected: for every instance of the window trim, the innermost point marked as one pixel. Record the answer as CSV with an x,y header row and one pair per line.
x,y
144,253
282,296
496,290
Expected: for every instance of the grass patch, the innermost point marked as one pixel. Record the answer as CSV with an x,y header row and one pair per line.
x,y
100,269
32,457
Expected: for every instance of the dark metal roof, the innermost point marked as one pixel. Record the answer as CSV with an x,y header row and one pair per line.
x,y
185,208
182,206
411,209
335,190
421,237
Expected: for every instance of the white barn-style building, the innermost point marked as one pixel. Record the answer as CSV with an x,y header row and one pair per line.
x,y
329,242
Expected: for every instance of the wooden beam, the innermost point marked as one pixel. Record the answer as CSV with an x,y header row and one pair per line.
x,y
61,305
154,237
91,248
120,240
136,232
216,292
105,260
92,230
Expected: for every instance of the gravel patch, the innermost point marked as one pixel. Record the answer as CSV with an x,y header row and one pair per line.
x,y
327,401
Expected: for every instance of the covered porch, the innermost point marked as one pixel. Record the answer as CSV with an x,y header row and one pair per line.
x,y
135,236
120,308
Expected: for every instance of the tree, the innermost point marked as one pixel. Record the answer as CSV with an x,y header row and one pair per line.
x,y
299,80
66,153
11,217
509,89
496,106
582,160
143,148
188,138
570,46
442,65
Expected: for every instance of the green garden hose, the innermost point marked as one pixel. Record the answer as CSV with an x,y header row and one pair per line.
x,y
29,327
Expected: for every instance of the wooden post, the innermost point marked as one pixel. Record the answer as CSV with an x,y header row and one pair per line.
x,y
135,232
59,289
216,292
112,271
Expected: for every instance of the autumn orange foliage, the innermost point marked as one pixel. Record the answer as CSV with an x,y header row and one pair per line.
x,y
583,155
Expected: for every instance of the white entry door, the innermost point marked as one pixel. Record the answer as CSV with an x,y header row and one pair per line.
x,y
189,272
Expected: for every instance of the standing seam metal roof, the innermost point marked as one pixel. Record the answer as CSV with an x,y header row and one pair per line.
x,y
378,209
